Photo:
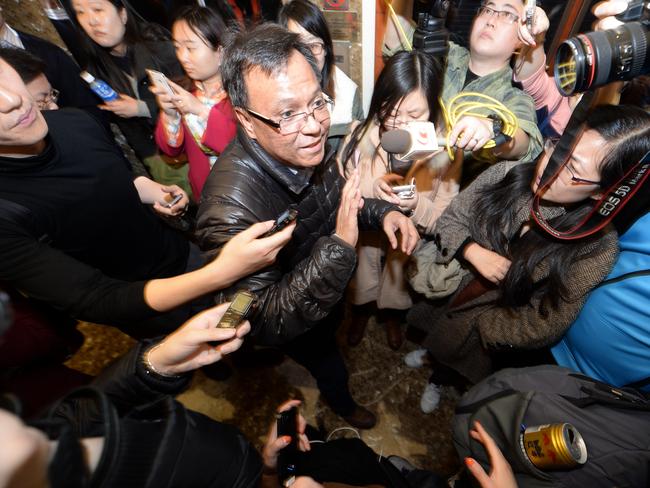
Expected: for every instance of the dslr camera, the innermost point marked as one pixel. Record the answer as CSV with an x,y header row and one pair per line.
x,y
594,59
431,35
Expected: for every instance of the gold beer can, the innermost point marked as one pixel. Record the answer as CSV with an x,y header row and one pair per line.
x,y
554,446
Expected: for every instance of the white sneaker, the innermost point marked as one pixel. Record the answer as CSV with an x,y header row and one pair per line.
x,y
415,359
430,398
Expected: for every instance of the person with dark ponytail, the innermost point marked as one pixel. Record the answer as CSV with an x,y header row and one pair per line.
x,y
305,19
118,47
406,91
200,123
522,287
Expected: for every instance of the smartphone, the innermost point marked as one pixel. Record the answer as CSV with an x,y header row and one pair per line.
x,y
284,219
241,306
174,201
287,423
158,78
531,5
405,192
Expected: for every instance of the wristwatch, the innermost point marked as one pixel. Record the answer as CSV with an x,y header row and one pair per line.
x,y
497,128
497,125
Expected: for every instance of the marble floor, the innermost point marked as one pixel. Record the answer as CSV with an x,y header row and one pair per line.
x,y
379,380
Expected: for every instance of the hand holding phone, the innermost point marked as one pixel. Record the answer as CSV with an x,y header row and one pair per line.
x,y
159,79
287,423
241,307
283,220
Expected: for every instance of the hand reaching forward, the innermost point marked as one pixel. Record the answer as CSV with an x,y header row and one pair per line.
x,y
396,221
501,475
187,348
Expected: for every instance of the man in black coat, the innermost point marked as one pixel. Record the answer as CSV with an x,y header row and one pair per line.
x,y
278,161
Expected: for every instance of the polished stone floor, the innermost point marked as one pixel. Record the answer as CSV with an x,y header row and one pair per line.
x,y
378,377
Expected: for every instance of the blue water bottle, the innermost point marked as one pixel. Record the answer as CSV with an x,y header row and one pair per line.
x,y
102,89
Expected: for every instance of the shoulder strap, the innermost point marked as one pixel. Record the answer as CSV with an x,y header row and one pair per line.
x,y
22,216
632,274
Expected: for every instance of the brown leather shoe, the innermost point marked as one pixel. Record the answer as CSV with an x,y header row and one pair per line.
x,y
361,418
357,319
394,333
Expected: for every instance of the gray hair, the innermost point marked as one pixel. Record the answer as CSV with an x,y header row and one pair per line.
x,y
266,47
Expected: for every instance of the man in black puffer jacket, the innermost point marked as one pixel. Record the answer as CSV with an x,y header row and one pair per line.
x,y
274,164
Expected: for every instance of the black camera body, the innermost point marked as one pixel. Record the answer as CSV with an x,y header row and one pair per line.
x,y
431,35
594,59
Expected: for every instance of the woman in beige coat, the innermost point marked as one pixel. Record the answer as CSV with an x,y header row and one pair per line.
x,y
407,90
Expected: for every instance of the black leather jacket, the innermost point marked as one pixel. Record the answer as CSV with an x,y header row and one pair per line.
x,y
312,271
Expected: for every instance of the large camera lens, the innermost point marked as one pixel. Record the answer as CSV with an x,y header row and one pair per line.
x,y
591,60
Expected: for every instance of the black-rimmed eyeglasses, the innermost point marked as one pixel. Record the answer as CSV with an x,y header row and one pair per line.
x,y
503,15
549,147
49,99
320,110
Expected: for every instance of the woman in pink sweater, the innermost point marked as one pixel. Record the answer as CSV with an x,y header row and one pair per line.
x,y
201,123
530,70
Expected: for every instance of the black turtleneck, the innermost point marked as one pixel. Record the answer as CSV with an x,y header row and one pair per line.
x,y
102,243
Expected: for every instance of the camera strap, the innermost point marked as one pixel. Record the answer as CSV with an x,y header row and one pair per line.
x,y
613,199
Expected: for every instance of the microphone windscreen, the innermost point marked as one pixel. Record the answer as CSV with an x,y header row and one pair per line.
x,y
396,141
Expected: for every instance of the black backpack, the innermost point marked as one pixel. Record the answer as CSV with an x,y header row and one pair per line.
x,y
614,423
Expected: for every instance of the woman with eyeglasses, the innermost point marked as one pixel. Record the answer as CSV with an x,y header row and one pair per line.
x,y
118,47
200,123
407,90
522,287
305,19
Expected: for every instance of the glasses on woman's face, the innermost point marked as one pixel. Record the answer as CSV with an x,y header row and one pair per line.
x,y
50,98
395,123
502,15
320,110
316,48
549,147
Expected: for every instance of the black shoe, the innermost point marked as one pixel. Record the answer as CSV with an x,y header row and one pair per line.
x,y
357,320
361,418
393,323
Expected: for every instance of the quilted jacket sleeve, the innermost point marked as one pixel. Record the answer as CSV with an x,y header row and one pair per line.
x,y
291,301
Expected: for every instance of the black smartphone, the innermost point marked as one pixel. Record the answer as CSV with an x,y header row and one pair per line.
x,y
284,219
287,423
241,306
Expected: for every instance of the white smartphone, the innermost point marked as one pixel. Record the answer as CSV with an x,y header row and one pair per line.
x,y
405,192
531,5
158,78
174,200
